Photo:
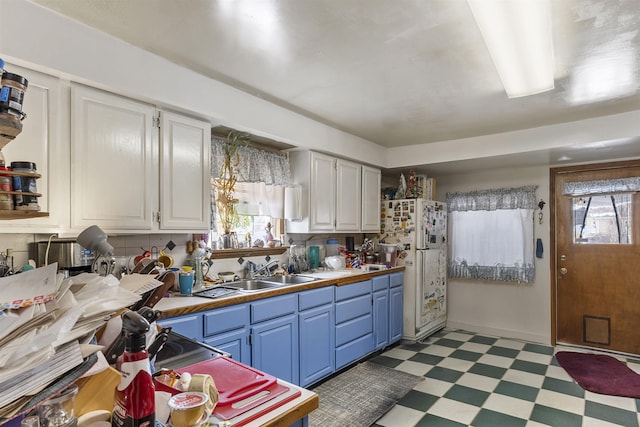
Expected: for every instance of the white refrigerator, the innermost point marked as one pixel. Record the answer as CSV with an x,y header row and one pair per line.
x,y
419,228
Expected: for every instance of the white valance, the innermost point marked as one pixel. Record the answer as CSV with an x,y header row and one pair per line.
x,y
491,200
602,186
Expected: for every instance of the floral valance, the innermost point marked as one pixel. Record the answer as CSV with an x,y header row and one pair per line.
x,y
602,186
494,199
255,165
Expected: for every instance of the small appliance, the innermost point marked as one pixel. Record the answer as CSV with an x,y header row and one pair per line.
x,y
71,257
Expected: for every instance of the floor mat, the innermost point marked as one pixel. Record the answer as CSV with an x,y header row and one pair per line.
x,y
600,373
361,395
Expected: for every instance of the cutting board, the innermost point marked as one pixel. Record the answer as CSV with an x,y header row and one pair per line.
x,y
240,387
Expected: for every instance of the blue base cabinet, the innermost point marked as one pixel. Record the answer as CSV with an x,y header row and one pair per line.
x,y
274,337
317,331
396,282
354,322
227,329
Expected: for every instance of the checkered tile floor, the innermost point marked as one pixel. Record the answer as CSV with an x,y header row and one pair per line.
x,y
482,381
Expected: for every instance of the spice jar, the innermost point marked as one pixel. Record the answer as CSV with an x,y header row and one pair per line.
x,y
23,185
6,199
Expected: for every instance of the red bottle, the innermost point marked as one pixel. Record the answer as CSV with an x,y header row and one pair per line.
x,y
134,401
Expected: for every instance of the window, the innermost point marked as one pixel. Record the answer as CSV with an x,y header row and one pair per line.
x,y
491,234
602,219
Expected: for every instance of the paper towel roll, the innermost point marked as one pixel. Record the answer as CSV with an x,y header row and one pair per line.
x,y
292,203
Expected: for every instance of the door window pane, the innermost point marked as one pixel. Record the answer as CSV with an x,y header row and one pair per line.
x,y
602,219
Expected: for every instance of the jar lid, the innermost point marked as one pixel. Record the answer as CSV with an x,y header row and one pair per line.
x,y
15,78
23,165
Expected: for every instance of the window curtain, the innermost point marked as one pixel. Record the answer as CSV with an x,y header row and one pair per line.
x,y
262,177
491,234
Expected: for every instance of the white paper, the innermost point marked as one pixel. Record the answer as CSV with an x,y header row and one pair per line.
x,y
32,286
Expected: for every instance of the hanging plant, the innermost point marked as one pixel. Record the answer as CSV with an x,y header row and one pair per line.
x,y
225,184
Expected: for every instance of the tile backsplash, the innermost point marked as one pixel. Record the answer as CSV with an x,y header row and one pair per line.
x,y
131,246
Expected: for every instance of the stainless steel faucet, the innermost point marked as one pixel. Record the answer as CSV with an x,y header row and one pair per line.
x,y
254,269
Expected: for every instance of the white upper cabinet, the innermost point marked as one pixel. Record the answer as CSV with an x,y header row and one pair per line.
x,y
371,178
114,176
185,172
348,194
129,176
322,191
333,199
42,142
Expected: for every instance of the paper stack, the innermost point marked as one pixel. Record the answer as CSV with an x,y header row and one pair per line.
x,y
44,319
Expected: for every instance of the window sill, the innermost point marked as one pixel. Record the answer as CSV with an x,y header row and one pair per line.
x,y
246,252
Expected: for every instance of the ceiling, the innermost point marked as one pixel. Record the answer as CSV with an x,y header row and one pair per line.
x,y
395,72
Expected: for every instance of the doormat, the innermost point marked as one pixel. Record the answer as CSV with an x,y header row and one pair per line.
x,y
361,395
600,373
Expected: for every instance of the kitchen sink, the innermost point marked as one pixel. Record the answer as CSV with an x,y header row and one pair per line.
x,y
288,280
253,285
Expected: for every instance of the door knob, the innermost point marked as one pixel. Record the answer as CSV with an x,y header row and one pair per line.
x,y
563,271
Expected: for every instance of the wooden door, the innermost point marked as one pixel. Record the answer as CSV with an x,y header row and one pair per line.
x,y
597,268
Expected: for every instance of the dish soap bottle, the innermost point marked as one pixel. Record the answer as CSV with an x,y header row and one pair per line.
x,y
134,402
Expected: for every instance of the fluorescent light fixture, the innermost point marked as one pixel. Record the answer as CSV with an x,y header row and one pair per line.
x,y
518,36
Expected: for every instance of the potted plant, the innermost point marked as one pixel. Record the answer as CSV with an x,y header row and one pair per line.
x,y
224,184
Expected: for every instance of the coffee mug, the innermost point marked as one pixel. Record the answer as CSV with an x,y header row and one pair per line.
x,y
186,282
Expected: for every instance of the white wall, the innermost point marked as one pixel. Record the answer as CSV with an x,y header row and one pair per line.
x,y
520,311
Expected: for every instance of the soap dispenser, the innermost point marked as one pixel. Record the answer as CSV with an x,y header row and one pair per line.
x,y
134,402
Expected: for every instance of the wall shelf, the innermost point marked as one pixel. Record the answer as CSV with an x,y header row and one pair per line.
x,y
4,214
246,252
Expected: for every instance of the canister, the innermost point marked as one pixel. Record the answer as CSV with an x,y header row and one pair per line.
x,y
25,184
332,247
12,92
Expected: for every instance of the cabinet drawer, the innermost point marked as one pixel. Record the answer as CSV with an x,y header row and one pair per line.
x,y
396,279
380,283
354,350
273,307
226,319
315,298
353,329
189,325
355,307
354,290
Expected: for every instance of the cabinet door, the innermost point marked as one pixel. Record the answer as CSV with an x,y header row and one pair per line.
x,y
370,199
395,314
274,348
184,173
41,141
317,350
348,196
380,319
322,187
114,178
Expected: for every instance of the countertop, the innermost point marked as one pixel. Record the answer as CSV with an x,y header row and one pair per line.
x,y
177,305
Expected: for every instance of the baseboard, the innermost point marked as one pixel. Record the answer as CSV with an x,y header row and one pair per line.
x,y
499,332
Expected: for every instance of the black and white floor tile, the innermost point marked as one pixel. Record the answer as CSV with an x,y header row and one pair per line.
x,y
483,381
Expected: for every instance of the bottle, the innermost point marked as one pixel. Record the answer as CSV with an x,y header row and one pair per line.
x,y
134,401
